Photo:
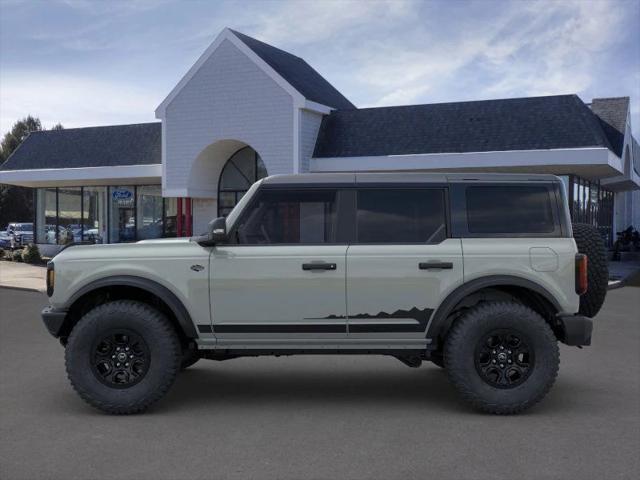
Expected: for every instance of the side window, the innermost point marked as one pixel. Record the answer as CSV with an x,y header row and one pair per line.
x,y
401,216
509,209
289,217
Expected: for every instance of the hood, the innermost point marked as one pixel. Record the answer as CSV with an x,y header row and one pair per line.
x,y
118,251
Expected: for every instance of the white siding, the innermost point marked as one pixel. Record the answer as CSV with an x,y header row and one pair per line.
x,y
309,126
229,97
204,210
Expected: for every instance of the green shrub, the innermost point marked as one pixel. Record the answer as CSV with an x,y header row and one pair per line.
x,y
16,256
31,254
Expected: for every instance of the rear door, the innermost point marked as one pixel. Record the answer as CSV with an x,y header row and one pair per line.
x,y
401,263
284,275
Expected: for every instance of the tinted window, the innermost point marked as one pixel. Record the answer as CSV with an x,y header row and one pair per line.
x,y
401,216
509,209
277,217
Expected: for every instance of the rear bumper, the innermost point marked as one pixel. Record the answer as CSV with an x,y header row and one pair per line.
x,y
54,320
576,330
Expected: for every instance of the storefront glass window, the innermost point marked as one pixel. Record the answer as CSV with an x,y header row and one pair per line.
x,y
101,214
69,215
94,208
46,216
149,212
170,217
122,217
244,168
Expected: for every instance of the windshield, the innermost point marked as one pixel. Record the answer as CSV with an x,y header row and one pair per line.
x,y
23,227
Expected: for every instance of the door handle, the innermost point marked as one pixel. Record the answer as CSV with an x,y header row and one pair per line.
x,y
435,265
319,266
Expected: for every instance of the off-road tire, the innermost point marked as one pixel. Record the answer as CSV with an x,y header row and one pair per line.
x,y
590,243
165,355
189,357
460,357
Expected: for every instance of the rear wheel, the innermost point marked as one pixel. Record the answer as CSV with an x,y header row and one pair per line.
x,y
122,357
502,357
589,242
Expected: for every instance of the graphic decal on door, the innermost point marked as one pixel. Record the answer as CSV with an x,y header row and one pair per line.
x,y
413,320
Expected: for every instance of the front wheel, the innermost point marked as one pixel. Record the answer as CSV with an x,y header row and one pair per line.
x,y
502,357
122,356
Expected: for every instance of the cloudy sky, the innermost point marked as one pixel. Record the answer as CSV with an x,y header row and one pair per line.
x,y
84,63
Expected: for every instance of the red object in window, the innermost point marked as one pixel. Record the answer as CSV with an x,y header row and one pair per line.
x,y
188,218
179,218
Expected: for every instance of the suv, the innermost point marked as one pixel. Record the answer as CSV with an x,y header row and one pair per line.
x,y
479,274
20,234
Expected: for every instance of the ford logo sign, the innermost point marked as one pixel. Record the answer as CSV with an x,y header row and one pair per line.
x,y
121,194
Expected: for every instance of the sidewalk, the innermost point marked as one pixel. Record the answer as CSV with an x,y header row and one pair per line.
x,y
620,271
22,276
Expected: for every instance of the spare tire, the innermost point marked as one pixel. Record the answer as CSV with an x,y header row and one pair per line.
x,y
590,243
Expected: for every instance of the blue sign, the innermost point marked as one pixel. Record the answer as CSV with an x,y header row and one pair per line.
x,y
121,194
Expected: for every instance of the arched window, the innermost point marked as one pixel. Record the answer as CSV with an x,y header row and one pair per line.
x,y
243,168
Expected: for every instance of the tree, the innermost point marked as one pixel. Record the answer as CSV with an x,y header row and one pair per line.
x,y
16,203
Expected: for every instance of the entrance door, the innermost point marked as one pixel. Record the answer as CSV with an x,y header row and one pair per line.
x,y
283,275
401,263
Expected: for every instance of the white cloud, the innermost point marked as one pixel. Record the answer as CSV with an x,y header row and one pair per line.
x,y
73,101
315,21
535,48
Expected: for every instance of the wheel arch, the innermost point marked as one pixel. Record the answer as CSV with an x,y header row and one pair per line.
x,y
526,291
133,287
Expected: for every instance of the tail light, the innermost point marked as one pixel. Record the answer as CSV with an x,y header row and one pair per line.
x,y
51,278
581,274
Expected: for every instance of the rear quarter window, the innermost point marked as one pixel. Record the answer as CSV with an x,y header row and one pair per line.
x,y
509,209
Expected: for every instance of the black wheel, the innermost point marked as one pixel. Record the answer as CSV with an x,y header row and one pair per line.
x,y
189,357
122,356
502,357
589,242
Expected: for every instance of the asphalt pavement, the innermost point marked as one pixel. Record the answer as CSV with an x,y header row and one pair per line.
x,y
320,417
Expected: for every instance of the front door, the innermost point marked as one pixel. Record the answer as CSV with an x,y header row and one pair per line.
x,y
282,277
401,263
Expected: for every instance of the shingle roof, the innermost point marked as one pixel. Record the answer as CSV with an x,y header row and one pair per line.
x,y
109,146
298,73
532,123
612,113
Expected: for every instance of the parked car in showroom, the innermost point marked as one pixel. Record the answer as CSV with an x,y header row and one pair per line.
x,y
5,240
20,234
482,275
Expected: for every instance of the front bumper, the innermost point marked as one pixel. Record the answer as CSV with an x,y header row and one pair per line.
x,y
54,320
576,330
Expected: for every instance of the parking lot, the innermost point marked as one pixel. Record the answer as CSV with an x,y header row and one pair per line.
x,y
346,417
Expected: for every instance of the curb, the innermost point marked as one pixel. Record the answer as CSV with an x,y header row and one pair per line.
x,y
615,284
24,289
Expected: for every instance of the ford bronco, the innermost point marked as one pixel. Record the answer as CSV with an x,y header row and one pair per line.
x,y
482,275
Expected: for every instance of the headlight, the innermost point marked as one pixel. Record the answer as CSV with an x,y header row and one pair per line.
x,y
51,278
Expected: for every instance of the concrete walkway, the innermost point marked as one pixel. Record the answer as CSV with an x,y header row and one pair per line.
x,y
22,276
620,271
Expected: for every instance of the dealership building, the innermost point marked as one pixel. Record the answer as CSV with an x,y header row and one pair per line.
x,y
246,110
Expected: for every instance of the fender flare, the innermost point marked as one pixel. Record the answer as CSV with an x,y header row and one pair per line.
x,y
167,296
438,321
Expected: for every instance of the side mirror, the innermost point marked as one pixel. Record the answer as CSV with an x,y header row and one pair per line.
x,y
217,233
218,230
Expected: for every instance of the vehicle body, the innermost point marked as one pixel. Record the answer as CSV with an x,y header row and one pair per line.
x,y
5,239
390,264
20,234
